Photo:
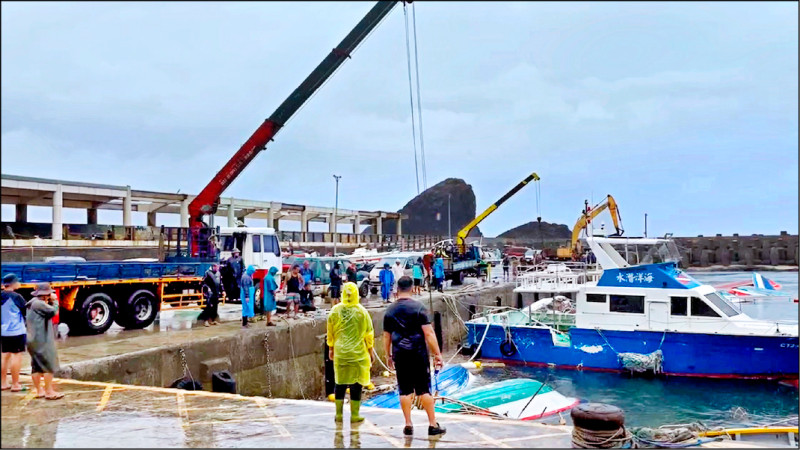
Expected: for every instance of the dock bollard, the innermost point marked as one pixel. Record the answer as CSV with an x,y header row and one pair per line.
x,y
598,425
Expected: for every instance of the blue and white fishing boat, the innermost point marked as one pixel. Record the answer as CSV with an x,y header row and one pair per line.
x,y
643,314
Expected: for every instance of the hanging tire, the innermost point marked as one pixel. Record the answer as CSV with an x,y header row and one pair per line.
x,y
507,348
597,416
140,310
95,314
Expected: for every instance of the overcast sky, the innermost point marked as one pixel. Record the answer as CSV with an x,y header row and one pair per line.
x,y
685,111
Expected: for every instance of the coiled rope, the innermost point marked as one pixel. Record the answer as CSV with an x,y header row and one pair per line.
x,y
619,438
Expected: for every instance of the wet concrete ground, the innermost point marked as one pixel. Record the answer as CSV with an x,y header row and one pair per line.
x,y
94,414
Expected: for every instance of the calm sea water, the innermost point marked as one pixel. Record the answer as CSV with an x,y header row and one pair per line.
x,y
654,402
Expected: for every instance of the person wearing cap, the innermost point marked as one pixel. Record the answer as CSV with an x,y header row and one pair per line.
x,y
42,340
13,332
387,281
236,266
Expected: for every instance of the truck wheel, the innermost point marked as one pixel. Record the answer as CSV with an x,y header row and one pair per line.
x,y
458,278
374,290
95,314
140,310
364,291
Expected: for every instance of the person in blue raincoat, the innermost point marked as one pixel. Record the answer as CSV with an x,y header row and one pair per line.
x,y
387,281
248,295
268,289
438,273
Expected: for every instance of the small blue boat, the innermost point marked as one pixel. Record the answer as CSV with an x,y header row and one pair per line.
x,y
450,380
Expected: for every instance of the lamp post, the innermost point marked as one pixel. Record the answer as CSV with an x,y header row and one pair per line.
x,y
645,224
335,213
449,233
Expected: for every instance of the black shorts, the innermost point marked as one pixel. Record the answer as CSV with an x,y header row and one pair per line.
x,y
413,374
13,344
334,291
417,281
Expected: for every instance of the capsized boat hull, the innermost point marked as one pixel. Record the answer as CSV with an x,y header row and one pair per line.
x,y
517,398
449,381
684,354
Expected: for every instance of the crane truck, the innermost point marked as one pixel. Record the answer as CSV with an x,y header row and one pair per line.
x,y
92,295
460,259
574,250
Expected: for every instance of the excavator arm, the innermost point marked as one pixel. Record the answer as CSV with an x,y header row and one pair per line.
x,y
610,204
206,202
461,237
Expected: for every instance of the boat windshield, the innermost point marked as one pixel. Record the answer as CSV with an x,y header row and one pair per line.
x,y
724,305
660,252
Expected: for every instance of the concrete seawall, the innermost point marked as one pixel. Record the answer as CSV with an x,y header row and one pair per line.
x,y
284,361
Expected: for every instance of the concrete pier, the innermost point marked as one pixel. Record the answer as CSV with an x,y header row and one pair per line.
x,y
262,359
108,415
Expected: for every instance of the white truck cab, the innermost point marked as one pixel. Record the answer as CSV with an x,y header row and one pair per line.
x,y
259,246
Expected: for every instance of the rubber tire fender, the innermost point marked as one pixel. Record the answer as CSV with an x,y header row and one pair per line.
x,y
597,416
508,348
130,320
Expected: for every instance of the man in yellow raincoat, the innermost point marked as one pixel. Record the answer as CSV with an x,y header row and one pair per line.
x,y
350,340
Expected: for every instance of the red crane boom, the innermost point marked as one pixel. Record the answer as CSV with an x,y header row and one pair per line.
x,y
207,200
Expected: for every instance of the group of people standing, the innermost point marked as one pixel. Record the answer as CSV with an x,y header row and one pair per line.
x,y
29,324
424,272
239,284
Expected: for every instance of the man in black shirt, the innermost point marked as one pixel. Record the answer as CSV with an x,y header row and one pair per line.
x,y
407,336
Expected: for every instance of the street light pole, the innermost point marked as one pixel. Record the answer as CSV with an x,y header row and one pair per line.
x,y
449,233
645,224
335,213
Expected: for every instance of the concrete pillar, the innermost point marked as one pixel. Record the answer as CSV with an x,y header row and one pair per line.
x,y
126,209
185,212
303,222
231,215
151,219
331,224
22,212
270,219
399,226
91,216
378,225
357,224
58,203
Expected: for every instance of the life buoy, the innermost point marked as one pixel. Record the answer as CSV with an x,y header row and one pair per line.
x,y
507,348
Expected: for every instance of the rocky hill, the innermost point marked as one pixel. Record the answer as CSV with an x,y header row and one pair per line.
x,y
427,211
530,230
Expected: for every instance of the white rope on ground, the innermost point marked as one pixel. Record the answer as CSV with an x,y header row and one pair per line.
x,y
381,361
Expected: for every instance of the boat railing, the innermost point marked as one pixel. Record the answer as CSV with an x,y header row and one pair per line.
x,y
561,270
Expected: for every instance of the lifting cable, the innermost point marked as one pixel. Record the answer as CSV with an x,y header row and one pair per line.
x,y
539,210
419,100
411,95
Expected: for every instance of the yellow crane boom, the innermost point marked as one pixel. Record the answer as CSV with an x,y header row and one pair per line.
x,y
461,237
610,204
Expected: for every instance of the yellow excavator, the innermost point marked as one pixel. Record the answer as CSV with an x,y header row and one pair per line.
x,y
574,250
459,259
